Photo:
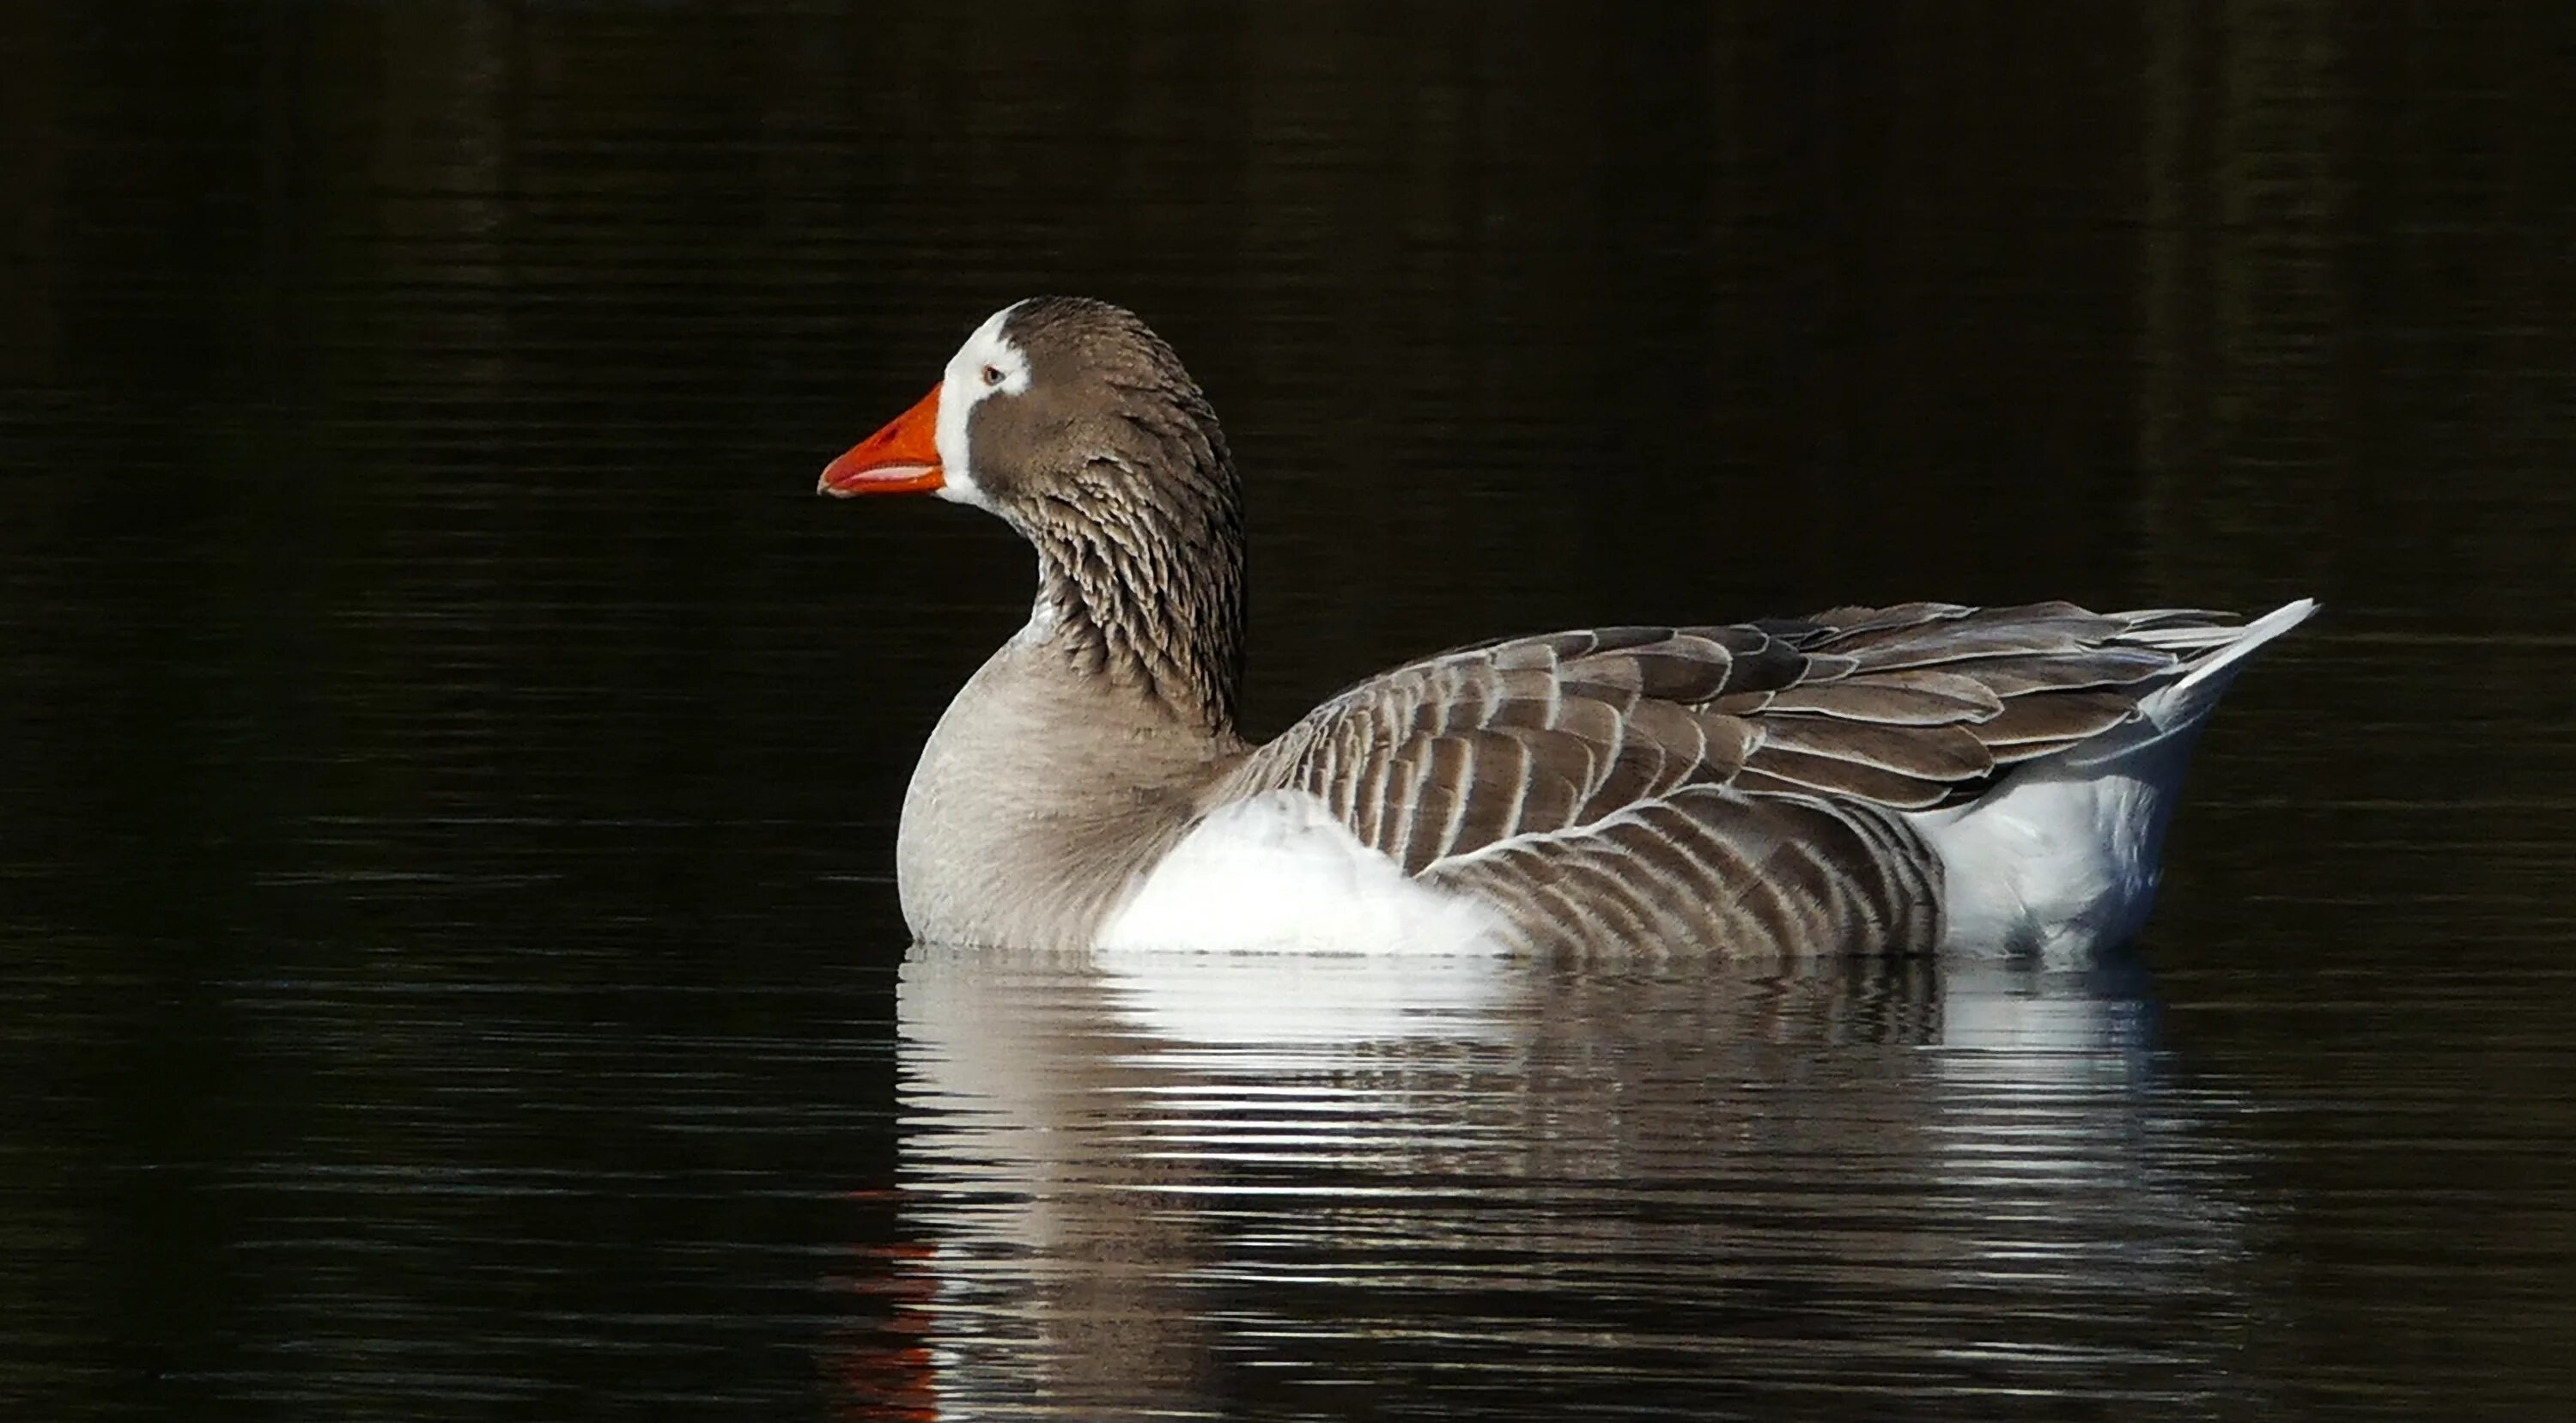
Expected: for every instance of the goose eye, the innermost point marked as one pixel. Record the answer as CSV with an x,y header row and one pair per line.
x,y
992,375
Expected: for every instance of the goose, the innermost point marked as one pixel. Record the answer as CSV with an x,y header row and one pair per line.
x,y
1917,778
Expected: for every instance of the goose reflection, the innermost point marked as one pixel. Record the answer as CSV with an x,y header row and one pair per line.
x,y
1199,1181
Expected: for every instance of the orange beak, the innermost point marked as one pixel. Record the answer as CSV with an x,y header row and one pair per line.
x,y
902,458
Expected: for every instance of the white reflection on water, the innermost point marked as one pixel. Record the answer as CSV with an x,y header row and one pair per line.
x,y
1205,1182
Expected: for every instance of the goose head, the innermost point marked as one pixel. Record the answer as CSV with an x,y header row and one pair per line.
x,y
1052,404
1074,423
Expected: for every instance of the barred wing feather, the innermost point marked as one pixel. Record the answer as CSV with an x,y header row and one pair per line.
x,y
1742,786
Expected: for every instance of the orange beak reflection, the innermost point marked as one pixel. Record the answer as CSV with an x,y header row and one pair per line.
x,y
902,458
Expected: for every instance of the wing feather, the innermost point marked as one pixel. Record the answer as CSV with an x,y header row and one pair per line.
x,y
1620,781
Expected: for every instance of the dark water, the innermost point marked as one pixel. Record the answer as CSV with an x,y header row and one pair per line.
x,y
448,757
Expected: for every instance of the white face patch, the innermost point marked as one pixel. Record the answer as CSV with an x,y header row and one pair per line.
x,y
986,366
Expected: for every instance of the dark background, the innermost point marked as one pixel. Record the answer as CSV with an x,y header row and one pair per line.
x,y
448,758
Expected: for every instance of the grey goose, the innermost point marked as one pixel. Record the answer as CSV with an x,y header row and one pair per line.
x,y
1902,779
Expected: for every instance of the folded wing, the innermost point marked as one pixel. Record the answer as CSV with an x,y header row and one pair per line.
x,y
1741,786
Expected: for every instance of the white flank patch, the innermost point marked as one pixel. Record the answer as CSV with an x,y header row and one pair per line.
x,y
963,387
1278,873
2058,862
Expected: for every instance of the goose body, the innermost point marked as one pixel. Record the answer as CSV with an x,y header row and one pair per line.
x,y
1898,779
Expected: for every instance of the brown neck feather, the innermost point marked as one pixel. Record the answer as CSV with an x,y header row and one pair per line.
x,y
1143,583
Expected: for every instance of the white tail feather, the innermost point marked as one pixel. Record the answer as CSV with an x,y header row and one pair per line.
x,y
2063,856
2198,690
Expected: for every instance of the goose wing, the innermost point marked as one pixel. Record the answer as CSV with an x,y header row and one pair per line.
x,y
1746,785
